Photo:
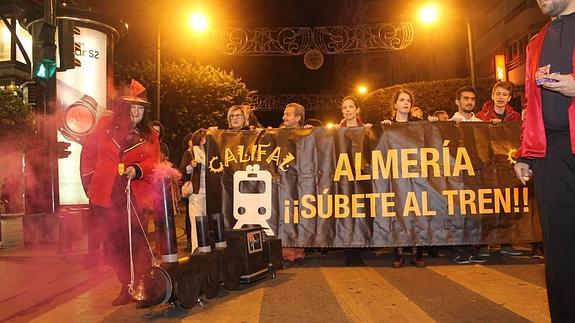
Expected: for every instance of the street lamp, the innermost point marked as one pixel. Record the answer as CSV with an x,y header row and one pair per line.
x,y
430,13
199,23
361,89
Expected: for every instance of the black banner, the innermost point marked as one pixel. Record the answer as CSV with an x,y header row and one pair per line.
x,y
400,185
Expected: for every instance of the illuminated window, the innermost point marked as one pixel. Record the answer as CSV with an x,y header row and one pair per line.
x,y
6,42
26,40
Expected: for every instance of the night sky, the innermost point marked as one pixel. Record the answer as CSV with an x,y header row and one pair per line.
x,y
339,74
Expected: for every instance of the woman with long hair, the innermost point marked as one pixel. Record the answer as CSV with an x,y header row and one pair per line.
x,y
195,172
402,104
122,150
186,159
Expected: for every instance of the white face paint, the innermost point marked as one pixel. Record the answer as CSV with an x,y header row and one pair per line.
x,y
136,113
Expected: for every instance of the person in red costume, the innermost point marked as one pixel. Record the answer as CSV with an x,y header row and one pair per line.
x,y
548,148
498,110
123,146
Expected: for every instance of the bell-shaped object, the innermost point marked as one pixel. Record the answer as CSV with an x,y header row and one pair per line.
x,y
153,288
140,291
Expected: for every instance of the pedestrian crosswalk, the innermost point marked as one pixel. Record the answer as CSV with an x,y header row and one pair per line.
x,y
366,296
523,298
441,293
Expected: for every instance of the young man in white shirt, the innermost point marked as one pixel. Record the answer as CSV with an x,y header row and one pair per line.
x,y
465,101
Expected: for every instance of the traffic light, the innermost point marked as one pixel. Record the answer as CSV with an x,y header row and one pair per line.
x,y
44,52
62,149
66,44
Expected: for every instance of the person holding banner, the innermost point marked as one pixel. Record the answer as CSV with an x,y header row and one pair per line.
x,y
350,111
465,101
548,148
293,118
497,111
123,147
401,109
239,117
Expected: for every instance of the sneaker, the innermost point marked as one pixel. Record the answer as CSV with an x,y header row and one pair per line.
x,y
461,257
398,262
353,259
483,251
477,259
417,262
510,251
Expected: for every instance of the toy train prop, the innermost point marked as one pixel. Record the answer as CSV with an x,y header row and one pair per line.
x,y
222,258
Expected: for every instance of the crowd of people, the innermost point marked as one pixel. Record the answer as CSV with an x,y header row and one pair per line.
x,y
125,148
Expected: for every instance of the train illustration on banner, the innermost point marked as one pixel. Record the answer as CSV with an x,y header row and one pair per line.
x,y
253,198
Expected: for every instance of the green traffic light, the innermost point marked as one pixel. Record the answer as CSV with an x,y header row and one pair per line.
x,y
46,69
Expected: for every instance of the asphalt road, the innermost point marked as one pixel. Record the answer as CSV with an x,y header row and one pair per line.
x,y
503,290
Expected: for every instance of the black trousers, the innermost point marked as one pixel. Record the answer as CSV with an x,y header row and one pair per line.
x,y
555,192
188,225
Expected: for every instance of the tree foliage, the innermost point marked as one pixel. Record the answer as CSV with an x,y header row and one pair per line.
x,y
429,96
15,114
192,95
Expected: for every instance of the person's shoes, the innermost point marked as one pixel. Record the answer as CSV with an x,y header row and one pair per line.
x,y
477,259
432,252
352,258
537,254
417,261
483,251
461,257
398,262
123,298
299,262
286,264
354,262
510,251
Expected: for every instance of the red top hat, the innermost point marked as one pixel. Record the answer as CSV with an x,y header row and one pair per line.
x,y
137,94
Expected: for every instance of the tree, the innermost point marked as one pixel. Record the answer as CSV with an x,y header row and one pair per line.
x,y
192,95
16,117
429,96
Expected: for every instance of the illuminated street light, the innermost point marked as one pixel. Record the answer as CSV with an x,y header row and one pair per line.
x,y
198,22
361,89
428,14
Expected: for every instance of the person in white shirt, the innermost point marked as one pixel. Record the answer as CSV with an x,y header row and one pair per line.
x,y
465,101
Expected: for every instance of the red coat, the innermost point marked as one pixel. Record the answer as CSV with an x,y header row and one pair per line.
x,y
533,140
487,113
99,161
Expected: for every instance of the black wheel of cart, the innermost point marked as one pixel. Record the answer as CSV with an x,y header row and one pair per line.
x,y
188,285
230,268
